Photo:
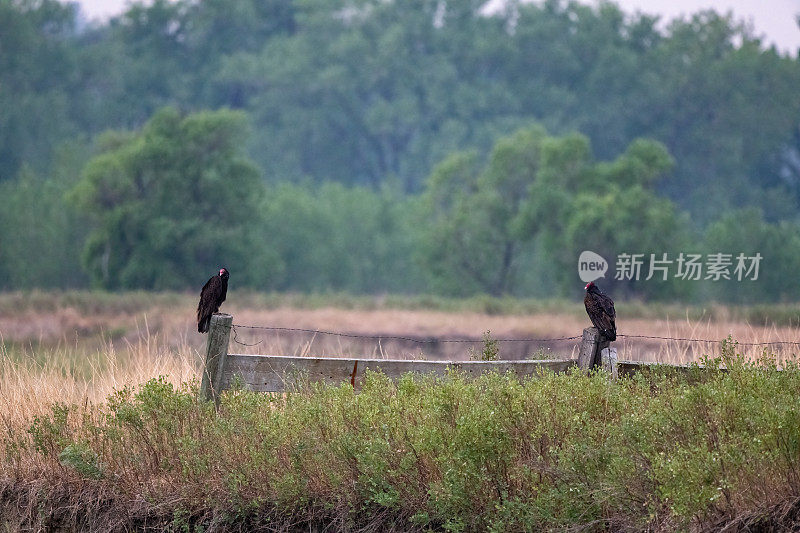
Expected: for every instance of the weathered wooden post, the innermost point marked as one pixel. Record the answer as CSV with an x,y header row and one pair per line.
x,y
608,358
595,351
602,345
588,350
216,352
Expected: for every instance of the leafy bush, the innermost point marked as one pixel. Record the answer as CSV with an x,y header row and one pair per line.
x,y
82,458
657,451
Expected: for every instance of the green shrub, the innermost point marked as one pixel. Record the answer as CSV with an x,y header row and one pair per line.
x,y
82,458
656,451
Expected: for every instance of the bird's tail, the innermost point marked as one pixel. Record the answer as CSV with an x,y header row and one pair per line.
x,y
202,325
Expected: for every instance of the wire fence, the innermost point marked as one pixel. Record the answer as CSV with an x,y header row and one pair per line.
x,y
437,340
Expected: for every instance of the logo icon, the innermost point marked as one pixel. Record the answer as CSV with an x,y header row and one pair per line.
x,y
591,266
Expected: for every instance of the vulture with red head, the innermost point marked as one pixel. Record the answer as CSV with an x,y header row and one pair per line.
x,y
600,309
211,297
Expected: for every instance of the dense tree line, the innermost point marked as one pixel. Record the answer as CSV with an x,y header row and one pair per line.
x,y
373,146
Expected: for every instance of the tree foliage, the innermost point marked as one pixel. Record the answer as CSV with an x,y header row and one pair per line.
x,y
361,92
170,202
549,191
38,247
746,232
472,242
337,238
38,70
393,141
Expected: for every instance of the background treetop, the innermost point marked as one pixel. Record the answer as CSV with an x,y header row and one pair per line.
x,y
367,99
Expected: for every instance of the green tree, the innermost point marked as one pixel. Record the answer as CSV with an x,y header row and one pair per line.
x,y
40,245
334,237
544,199
746,232
171,203
38,73
629,221
726,108
615,210
369,90
472,241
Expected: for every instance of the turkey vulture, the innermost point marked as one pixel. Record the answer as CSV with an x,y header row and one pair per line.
x,y
211,297
600,309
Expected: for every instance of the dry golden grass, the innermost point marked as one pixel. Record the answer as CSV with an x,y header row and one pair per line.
x,y
471,325
78,353
36,377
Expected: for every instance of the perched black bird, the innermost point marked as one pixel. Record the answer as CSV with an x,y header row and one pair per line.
x,y
211,297
600,309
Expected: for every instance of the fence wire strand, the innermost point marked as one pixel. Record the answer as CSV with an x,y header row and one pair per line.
x,y
435,340
766,343
428,340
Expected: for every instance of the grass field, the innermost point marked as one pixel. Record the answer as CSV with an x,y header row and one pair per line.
x,y
75,346
88,433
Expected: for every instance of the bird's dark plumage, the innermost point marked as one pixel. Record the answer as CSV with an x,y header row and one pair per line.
x,y
211,297
600,309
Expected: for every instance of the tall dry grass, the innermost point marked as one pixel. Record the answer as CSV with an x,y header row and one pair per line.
x,y
36,376
79,353
80,347
753,338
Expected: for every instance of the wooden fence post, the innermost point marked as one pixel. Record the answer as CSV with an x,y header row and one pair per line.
x,y
608,358
216,352
588,351
595,351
